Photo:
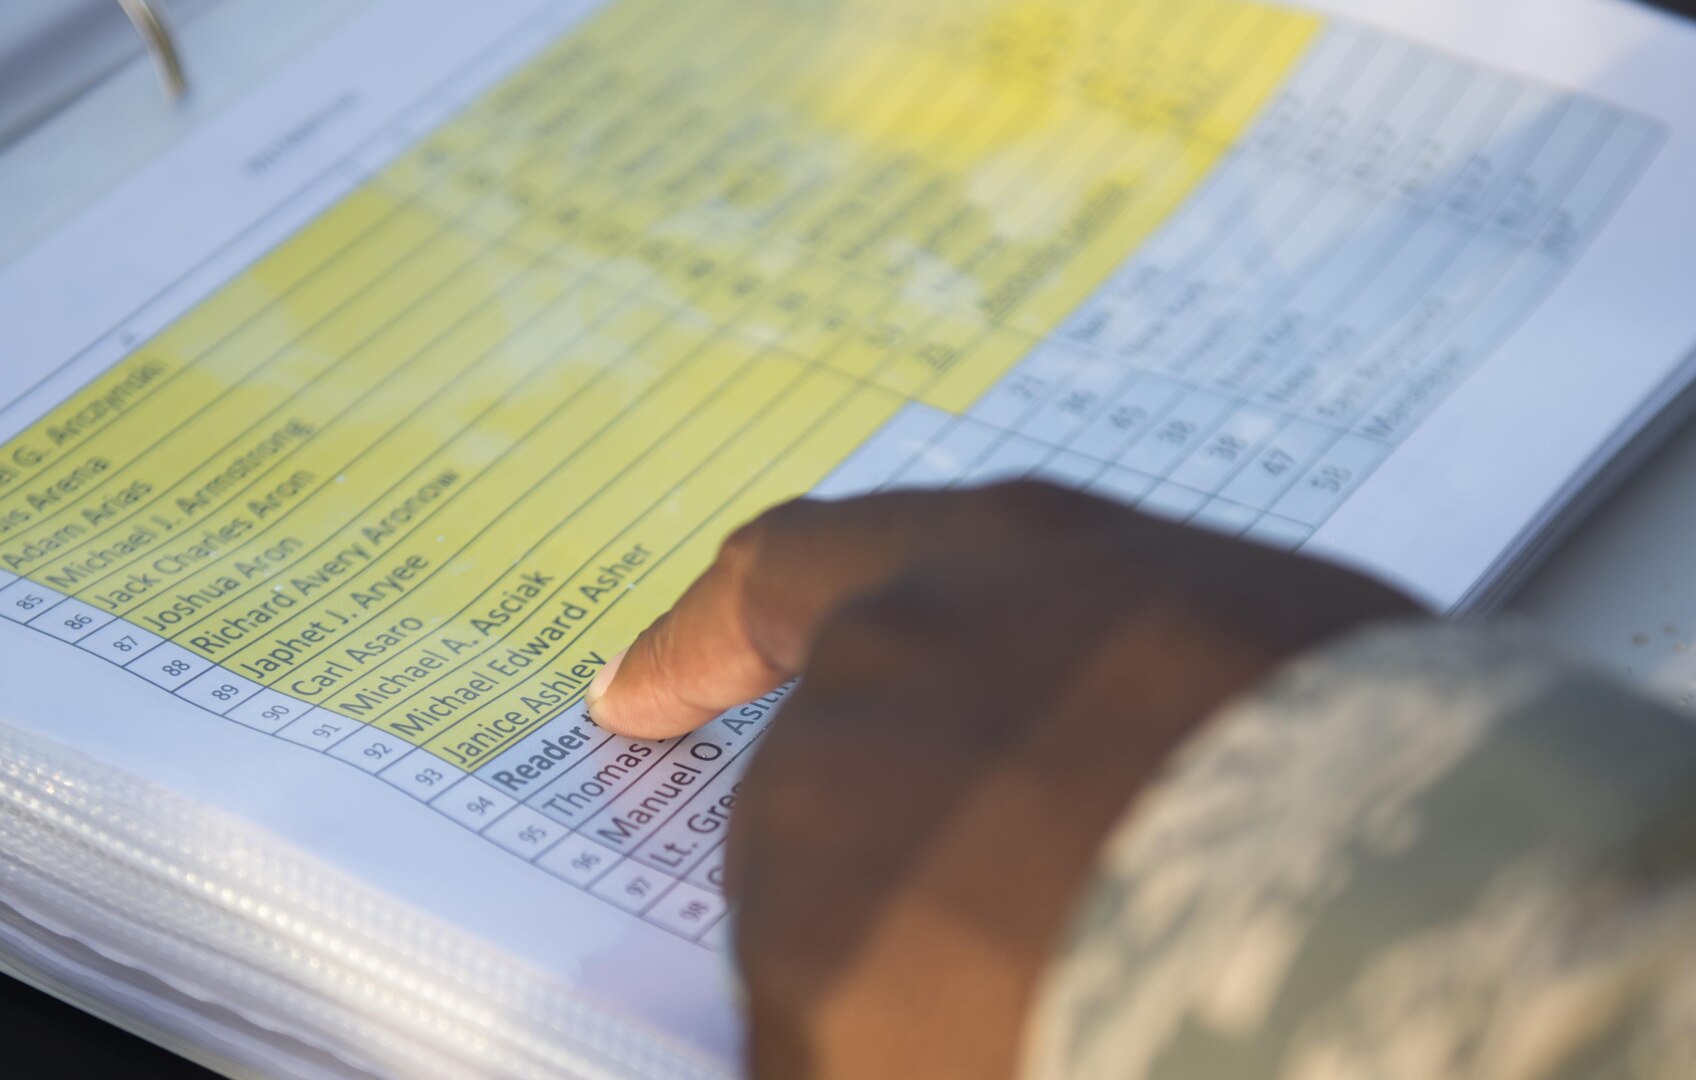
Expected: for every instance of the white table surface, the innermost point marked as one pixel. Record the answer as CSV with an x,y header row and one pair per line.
x,y
1621,590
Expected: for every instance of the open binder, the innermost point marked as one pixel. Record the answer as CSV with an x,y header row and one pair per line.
x,y
350,420
58,51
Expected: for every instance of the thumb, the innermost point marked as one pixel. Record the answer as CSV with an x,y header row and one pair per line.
x,y
748,623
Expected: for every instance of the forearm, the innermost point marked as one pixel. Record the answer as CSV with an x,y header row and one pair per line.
x,y
1425,852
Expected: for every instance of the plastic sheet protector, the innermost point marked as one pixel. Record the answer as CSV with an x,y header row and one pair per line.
x,y
345,442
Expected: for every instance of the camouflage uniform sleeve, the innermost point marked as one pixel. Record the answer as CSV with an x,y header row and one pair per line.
x,y
1423,853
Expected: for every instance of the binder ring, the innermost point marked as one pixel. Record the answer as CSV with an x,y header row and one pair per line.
x,y
156,35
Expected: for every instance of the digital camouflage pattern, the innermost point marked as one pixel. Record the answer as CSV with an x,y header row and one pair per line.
x,y
1423,854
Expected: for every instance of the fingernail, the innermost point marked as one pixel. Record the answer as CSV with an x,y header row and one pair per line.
x,y
603,679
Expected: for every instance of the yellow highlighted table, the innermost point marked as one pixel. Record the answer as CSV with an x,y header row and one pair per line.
x,y
427,464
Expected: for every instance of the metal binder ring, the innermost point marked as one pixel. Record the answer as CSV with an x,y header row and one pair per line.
x,y
157,36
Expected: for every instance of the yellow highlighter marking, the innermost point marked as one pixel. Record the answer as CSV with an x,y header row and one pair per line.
x,y
431,461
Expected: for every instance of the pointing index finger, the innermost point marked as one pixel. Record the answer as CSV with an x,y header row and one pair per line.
x,y
748,623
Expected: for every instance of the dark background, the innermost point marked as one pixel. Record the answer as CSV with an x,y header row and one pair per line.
x,y
44,1037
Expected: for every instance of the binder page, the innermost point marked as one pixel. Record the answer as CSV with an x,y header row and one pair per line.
x,y
343,444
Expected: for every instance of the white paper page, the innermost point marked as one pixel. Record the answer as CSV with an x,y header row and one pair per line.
x,y
365,451
346,103
1612,331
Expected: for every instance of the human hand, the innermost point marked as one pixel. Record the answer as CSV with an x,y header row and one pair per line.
x,y
989,677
